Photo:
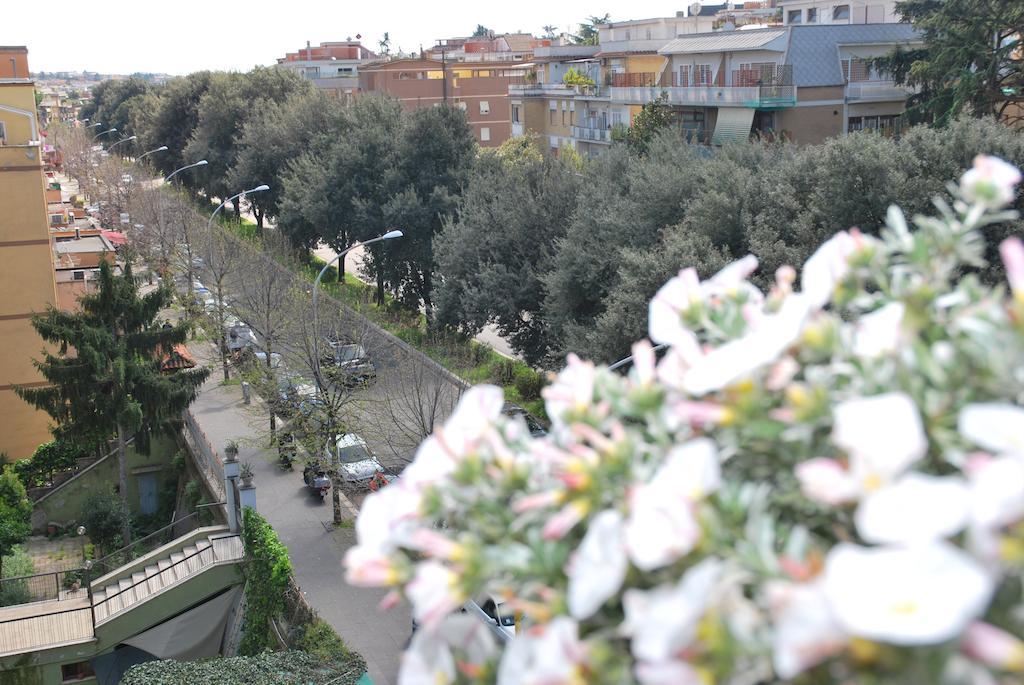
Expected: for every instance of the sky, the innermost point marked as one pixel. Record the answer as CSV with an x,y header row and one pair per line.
x,y
182,36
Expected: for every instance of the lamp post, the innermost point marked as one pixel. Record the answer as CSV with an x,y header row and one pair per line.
x,y
123,140
626,360
98,123
103,133
201,162
257,189
390,235
159,149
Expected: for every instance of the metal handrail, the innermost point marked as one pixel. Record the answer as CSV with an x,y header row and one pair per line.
x,y
164,570
51,613
140,541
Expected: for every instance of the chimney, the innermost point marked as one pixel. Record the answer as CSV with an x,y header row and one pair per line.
x,y
78,233
309,51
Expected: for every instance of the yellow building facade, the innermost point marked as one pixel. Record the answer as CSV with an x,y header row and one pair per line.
x,y
27,276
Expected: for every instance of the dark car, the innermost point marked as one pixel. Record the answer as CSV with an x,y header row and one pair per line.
x,y
347,362
533,424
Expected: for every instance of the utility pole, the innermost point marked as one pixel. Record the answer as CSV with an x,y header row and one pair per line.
x,y
443,46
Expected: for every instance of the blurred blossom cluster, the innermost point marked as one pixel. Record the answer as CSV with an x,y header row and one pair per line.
x,y
821,484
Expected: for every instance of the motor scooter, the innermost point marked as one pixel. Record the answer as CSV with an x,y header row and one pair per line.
x,y
316,479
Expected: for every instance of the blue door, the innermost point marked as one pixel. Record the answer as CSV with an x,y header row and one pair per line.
x,y
147,493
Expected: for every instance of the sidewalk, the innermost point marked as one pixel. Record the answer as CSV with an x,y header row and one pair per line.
x,y
298,518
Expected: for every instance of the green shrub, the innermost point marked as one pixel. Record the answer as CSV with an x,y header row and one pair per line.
x,y
268,575
528,382
104,516
503,371
48,459
17,563
318,638
281,668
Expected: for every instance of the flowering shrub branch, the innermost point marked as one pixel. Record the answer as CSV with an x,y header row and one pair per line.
x,y
823,483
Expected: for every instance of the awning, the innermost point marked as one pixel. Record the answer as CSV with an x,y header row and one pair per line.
x,y
733,124
196,634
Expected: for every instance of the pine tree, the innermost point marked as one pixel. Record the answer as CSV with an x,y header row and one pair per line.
x,y
105,378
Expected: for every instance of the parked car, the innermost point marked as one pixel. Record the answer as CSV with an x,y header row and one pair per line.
x,y
356,463
351,364
239,336
295,395
533,424
502,617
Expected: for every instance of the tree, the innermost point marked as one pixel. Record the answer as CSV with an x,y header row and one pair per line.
x,y
435,154
224,258
572,77
175,115
15,511
385,45
589,34
656,115
970,62
482,31
549,31
492,257
105,372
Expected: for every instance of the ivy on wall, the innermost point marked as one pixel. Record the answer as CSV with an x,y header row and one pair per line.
x,y
268,573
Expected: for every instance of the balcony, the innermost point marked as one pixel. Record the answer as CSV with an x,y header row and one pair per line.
x,y
558,90
876,91
755,89
593,132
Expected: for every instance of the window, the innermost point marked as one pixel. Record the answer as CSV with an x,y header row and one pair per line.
x,y
627,35
564,113
795,17
553,116
515,114
3,132
841,13
684,76
485,134
703,76
812,15
885,124
485,107
72,673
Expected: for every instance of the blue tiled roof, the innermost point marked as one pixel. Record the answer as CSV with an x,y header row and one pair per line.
x,y
814,53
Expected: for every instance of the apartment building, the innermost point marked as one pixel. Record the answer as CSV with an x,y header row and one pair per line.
x,y
479,87
843,12
27,279
800,82
332,67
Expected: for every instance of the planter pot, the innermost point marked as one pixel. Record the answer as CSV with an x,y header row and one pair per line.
x,y
247,482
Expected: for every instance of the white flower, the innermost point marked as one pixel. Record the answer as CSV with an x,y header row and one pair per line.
x,y
759,347
388,516
990,182
598,567
666,310
825,480
919,595
661,526
806,632
993,426
826,268
434,593
662,621
429,660
672,672
572,391
882,434
997,492
1012,252
879,332
477,410
916,508
551,654
644,363
369,567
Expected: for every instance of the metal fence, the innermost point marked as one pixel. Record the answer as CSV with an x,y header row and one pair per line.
x,y
56,585
205,455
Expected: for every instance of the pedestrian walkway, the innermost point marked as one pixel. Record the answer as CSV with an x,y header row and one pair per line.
x,y
298,519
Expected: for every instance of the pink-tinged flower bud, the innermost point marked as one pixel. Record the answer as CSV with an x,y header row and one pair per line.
x,y
991,182
993,647
368,567
436,545
1012,252
540,500
562,522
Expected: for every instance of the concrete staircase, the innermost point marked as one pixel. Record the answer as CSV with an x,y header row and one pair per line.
x,y
161,572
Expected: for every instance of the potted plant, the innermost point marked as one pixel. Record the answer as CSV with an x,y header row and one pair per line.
x,y
231,450
246,474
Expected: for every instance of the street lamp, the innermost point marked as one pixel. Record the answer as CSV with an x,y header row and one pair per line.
x,y
112,130
201,162
257,189
123,140
627,360
390,235
98,123
159,149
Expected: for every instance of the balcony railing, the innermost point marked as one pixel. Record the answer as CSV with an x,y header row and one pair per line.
x,y
592,133
876,91
767,87
536,89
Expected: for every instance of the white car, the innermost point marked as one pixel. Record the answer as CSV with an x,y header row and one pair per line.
x,y
356,463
